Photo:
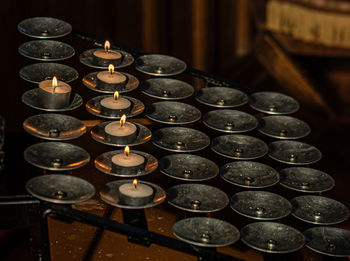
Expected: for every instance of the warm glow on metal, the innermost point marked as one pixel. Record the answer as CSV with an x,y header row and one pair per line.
x,y
54,82
116,95
122,120
107,46
126,151
111,68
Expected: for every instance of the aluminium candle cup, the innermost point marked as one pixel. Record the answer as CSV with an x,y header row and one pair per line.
x,y
49,99
135,201
115,86
128,170
116,112
124,139
115,60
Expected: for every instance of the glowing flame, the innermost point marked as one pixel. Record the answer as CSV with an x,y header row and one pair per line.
x,y
134,182
116,95
107,46
126,151
54,82
122,120
111,68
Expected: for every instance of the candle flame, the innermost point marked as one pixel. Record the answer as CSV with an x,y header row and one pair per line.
x,y
134,182
111,68
122,120
126,151
107,46
54,83
116,95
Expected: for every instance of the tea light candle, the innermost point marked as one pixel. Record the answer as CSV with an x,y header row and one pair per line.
x,y
127,163
105,56
115,105
135,194
111,78
54,94
121,132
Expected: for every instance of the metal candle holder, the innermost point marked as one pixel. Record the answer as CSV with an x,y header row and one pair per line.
x,y
306,180
230,121
330,241
46,50
180,139
241,147
197,198
170,112
38,72
206,232
188,167
104,164
221,97
273,103
261,205
94,107
272,237
54,126
98,133
159,65
56,156
61,189
294,152
166,89
319,210
32,99
110,194
249,174
44,27
283,127
91,82
87,58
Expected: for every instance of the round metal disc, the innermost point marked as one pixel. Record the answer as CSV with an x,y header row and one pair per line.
x,y
38,72
249,174
306,180
330,241
188,167
283,127
170,112
90,81
319,210
294,152
180,139
166,89
110,194
159,65
221,97
61,189
206,232
44,27
261,205
98,134
197,198
230,121
31,98
241,147
46,50
56,156
272,237
94,107
54,126
273,103
104,163
87,58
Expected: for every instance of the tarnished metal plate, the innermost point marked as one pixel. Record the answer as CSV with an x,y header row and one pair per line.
x,y
87,58
221,97
188,167
206,232
59,188
159,65
170,112
54,126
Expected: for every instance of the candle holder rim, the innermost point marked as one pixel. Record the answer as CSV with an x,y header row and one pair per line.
x,y
242,101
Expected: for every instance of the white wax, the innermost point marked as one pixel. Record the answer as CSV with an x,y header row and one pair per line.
x,y
62,87
141,190
113,104
110,55
131,160
115,129
113,78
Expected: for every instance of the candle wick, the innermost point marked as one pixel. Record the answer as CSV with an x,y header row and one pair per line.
x,y
54,88
121,123
135,186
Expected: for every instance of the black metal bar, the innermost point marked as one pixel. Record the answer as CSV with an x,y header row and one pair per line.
x,y
137,218
44,234
18,200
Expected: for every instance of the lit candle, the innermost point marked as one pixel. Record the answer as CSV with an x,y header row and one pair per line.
x,y
127,163
121,132
54,94
135,193
111,78
105,56
115,105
